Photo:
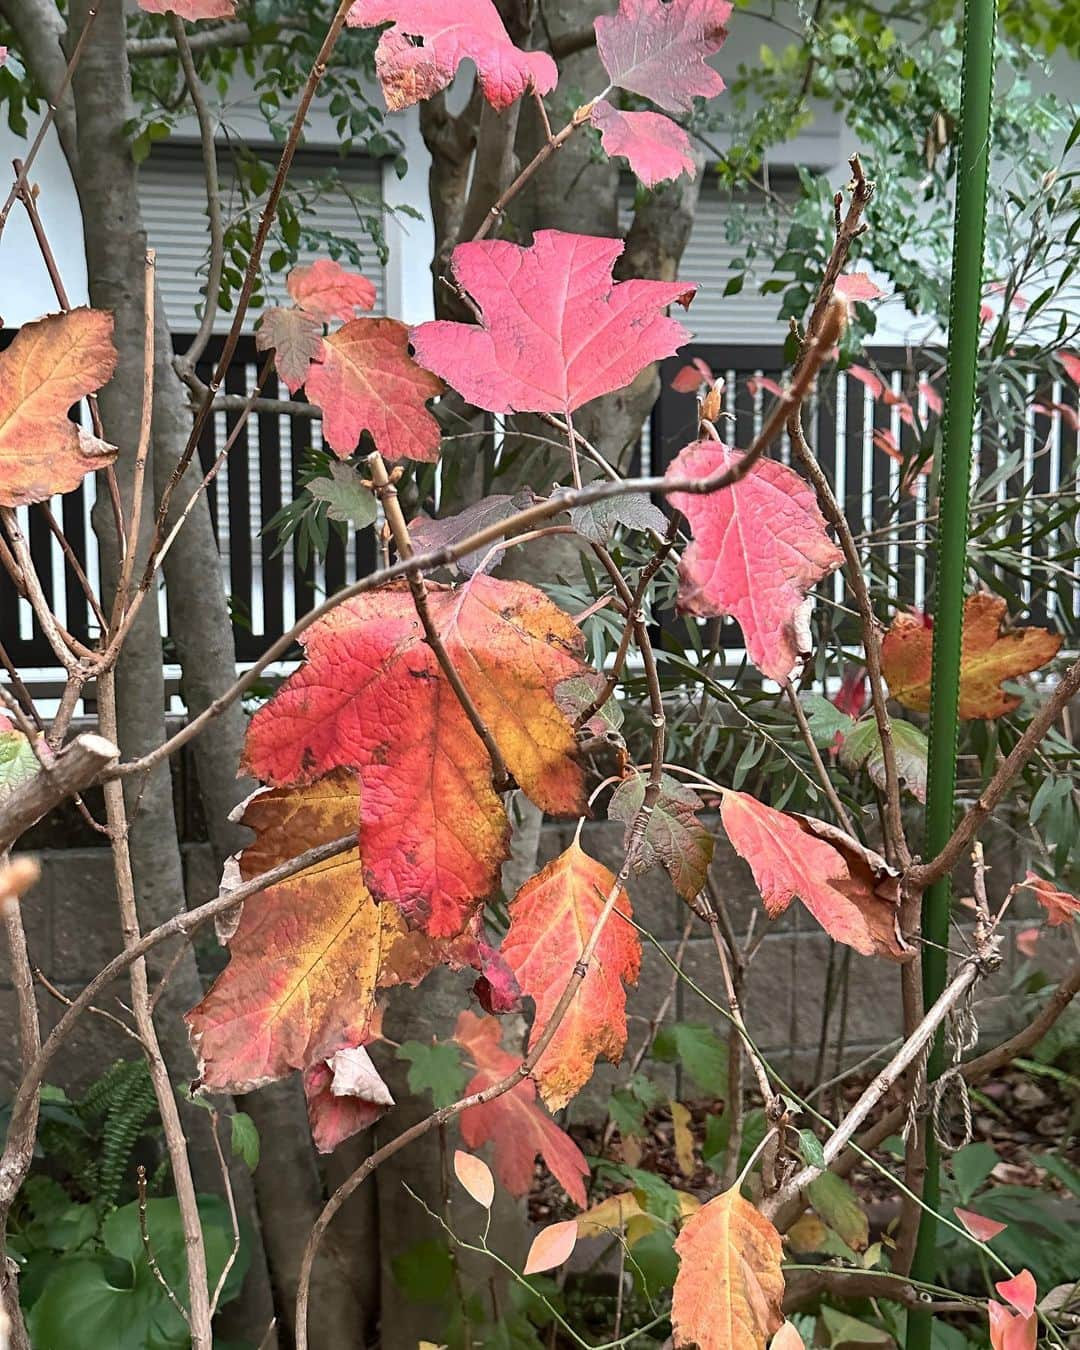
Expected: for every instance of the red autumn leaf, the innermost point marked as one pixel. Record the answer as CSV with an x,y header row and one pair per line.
x,y
551,918
372,697
756,382
1071,363
1020,1291
497,990
327,291
1068,415
759,546
367,381
308,954
655,147
847,888
729,1288
657,48
933,399
556,331
1010,1331
987,657
296,340
858,286
411,71
978,1225
515,1123
344,1096
689,379
1061,907
867,377
853,693
192,10
1027,942
49,367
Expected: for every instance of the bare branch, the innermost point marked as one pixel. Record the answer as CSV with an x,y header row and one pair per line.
x,y
72,770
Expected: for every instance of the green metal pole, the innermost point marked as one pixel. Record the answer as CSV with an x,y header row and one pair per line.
x,y
969,230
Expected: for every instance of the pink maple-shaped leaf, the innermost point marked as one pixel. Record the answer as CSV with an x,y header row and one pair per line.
x,y
556,330
1061,907
327,291
296,340
858,286
657,48
411,71
192,10
758,548
365,380
655,147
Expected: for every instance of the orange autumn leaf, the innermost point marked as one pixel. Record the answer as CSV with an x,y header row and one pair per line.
x,y
366,380
551,918
847,888
51,365
308,954
978,1225
1011,1331
514,1123
475,1175
1020,1291
326,290
729,1287
988,656
1061,907
372,697
551,1247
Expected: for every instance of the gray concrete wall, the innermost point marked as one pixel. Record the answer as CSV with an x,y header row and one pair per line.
x,y
72,931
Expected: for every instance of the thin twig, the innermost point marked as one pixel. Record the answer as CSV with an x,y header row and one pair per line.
x,y
230,1200
148,1250
58,96
525,519
387,493
213,191
142,450
819,764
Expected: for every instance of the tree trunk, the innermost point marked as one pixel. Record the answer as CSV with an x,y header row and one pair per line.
x,y
115,241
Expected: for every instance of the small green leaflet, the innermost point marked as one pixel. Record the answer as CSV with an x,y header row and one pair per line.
x,y
597,521
245,1139
347,499
861,749
674,837
700,1052
436,1068
826,719
810,1148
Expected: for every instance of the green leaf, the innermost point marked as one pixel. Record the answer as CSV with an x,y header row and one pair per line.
x,y
347,499
115,1300
810,1148
653,1264
700,1052
245,1139
839,1207
826,719
674,836
971,1166
847,1333
635,511
435,1068
424,1272
861,749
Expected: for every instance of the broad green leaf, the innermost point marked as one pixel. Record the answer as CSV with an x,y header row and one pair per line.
x,y
245,1139
971,1166
346,497
700,1052
839,1206
861,749
425,1272
436,1068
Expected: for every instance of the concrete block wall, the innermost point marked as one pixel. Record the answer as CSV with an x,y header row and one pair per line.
x,y
72,931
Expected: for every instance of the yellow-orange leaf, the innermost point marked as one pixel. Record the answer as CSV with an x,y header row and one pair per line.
x,y
551,918
729,1287
551,1247
51,365
987,657
308,954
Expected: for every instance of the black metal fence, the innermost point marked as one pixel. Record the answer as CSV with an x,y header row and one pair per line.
x,y
270,588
